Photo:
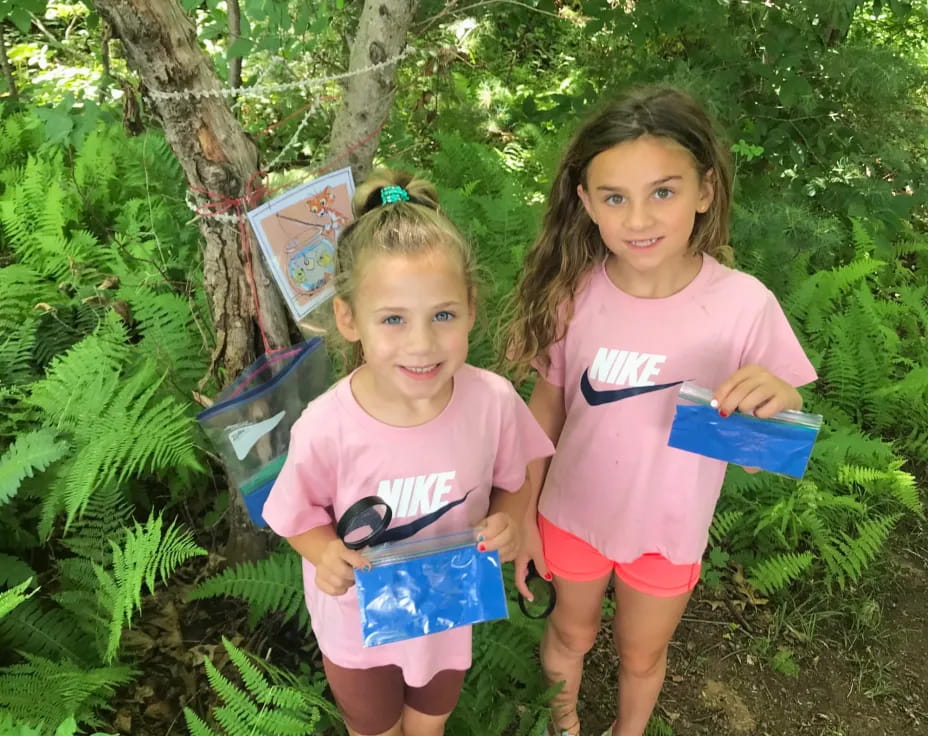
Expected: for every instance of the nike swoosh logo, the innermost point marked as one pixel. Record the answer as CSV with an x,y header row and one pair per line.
x,y
595,398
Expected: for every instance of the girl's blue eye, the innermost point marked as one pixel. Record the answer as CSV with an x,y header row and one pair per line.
x,y
393,319
614,199
663,193
444,316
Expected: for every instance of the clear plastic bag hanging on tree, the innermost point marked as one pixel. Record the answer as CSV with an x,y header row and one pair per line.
x,y
249,425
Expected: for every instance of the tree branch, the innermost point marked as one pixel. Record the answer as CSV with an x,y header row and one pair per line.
x,y
235,33
5,65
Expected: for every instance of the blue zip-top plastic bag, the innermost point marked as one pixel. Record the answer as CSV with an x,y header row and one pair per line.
x,y
781,444
424,586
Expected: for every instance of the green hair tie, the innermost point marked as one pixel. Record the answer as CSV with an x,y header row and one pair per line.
x,y
391,194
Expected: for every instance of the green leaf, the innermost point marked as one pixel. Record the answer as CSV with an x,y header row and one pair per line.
x,y
793,89
31,452
239,47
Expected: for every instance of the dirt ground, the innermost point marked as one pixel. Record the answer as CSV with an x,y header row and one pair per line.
x,y
859,672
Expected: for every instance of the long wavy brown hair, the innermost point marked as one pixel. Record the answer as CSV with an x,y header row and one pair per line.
x,y
570,244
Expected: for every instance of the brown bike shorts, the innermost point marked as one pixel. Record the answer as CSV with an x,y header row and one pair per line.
x,y
371,700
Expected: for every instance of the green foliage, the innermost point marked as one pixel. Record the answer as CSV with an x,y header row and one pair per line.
x,y
147,554
269,704
104,331
42,690
92,406
271,585
11,598
30,452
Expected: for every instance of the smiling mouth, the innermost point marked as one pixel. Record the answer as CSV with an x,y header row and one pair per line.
x,y
647,243
421,371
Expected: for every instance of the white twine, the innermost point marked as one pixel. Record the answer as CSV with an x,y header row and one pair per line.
x,y
294,139
266,89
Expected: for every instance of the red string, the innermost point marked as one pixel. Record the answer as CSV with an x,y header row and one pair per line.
x,y
254,193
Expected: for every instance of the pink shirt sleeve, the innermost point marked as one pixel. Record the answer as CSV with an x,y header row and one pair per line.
x,y
772,344
301,498
521,440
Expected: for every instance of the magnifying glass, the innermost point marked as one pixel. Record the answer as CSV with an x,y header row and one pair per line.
x,y
543,592
364,522
367,522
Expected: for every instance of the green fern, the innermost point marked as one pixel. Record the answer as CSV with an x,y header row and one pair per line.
x,y
271,585
42,628
269,704
13,570
854,554
11,598
893,481
775,573
46,691
122,427
170,337
722,524
31,452
148,554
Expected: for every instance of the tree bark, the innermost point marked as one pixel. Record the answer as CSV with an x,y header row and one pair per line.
x,y
235,33
217,156
368,98
5,65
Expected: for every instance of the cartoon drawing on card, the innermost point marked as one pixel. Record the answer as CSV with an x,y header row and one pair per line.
x,y
298,231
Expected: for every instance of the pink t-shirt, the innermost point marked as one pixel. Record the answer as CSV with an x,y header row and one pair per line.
x,y
614,482
484,438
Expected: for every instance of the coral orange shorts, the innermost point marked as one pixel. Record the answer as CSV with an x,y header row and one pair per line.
x,y
571,558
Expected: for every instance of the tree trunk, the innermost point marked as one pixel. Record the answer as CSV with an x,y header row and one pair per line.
x,y
368,98
217,156
5,65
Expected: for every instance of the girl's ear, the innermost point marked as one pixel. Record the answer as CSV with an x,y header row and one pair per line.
x,y
344,320
587,202
706,192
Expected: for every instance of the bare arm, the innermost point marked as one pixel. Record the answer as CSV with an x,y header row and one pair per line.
x,y
547,406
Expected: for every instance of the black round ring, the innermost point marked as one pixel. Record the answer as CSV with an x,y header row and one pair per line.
x,y
355,510
552,597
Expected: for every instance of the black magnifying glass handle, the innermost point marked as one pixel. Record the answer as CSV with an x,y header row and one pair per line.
x,y
550,592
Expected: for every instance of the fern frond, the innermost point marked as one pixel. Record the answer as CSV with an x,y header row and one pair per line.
x,y
775,573
22,288
30,453
13,570
50,691
104,518
47,630
11,598
170,335
895,482
17,350
263,708
274,584
146,555
722,523
856,554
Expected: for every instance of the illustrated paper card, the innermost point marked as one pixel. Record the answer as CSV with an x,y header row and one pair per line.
x,y
297,232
